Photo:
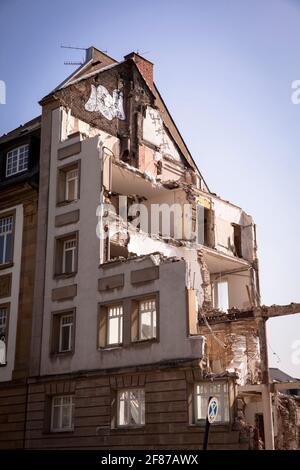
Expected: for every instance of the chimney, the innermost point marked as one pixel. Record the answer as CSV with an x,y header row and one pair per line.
x,y
144,66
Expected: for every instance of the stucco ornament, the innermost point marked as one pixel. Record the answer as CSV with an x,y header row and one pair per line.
x,y
110,106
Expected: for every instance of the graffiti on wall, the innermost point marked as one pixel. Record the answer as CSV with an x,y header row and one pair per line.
x,y
110,106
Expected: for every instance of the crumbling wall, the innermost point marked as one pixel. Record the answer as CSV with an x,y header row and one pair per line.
x,y
234,347
288,422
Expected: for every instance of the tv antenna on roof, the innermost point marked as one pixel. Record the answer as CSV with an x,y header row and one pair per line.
x,y
142,52
75,48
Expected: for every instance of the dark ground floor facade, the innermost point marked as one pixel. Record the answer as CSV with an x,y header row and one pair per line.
x,y
141,408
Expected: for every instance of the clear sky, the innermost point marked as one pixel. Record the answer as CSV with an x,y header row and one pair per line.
x,y
225,69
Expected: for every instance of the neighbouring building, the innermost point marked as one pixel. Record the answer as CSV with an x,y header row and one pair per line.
x,y
135,323
19,170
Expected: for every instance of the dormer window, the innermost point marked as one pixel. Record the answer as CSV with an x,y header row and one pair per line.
x,y
17,160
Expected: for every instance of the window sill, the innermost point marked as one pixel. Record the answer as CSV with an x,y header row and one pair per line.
x,y
61,354
6,265
3,365
64,275
121,428
202,425
65,203
111,347
60,431
145,341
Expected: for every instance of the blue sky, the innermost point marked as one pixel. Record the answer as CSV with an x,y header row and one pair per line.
x,y
225,69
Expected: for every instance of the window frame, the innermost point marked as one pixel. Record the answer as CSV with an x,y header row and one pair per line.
x,y
6,306
65,250
18,149
67,184
61,189
120,322
59,255
55,339
140,301
6,215
222,400
72,407
142,409
70,326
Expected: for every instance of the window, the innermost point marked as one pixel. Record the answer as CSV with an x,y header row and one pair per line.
x,y
6,239
131,407
205,390
71,193
63,332
69,256
17,160
147,319
3,333
115,325
220,295
66,255
62,412
68,183
237,240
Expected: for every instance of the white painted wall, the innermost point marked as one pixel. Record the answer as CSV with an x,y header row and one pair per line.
x,y
174,342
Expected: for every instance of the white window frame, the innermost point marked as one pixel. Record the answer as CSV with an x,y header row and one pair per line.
x,y
21,154
69,179
70,326
71,248
61,405
218,389
113,312
153,312
216,300
7,221
4,329
140,392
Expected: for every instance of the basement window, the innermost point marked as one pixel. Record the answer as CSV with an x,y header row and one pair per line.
x,y
17,160
221,295
62,413
3,333
202,392
131,408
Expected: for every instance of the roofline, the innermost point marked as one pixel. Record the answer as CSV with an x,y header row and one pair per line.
x,y
6,136
156,89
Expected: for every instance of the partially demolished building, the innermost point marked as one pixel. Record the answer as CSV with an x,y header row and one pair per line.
x,y
138,318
